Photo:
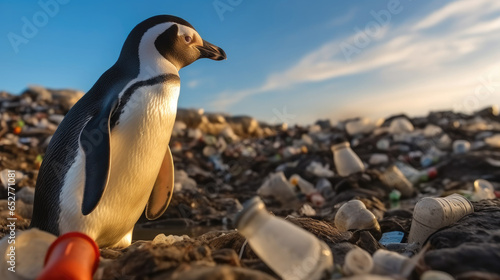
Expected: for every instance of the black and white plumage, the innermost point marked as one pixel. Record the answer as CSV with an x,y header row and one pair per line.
x,y
109,157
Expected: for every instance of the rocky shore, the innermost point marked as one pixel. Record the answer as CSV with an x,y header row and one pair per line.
x,y
221,161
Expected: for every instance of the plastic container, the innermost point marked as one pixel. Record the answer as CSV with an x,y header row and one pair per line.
x,y
394,178
461,146
346,161
290,251
431,214
73,256
353,215
357,262
391,263
278,187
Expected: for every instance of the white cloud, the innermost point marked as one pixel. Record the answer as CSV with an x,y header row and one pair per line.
x,y
405,50
193,83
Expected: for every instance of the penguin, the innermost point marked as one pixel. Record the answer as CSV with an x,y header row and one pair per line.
x,y
109,159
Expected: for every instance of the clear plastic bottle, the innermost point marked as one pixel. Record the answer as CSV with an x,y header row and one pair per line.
x,y
346,160
290,251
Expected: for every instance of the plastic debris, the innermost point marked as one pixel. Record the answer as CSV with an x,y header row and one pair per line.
x,y
357,262
28,258
278,187
73,255
290,251
394,178
431,214
400,125
346,161
353,215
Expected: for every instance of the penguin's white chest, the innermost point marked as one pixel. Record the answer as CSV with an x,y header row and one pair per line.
x,y
138,144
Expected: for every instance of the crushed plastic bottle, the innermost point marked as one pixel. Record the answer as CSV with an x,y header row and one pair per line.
x,y
431,214
346,161
290,251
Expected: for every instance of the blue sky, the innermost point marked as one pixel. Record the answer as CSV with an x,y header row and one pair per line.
x,y
293,61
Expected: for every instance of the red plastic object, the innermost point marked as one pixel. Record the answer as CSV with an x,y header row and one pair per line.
x,y
432,173
73,256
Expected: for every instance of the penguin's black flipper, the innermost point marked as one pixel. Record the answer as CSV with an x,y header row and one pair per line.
x,y
163,189
95,142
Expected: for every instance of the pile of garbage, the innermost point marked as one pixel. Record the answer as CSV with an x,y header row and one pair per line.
x,y
398,198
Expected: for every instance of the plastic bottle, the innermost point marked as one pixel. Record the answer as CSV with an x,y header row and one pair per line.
x,y
431,214
73,256
346,161
290,251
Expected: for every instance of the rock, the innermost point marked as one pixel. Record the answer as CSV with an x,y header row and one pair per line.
x,y
26,194
168,240
471,244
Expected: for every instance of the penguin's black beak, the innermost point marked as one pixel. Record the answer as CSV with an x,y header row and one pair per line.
x,y
211,51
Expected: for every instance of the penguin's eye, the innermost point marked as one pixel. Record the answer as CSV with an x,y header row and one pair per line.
x,y
188,39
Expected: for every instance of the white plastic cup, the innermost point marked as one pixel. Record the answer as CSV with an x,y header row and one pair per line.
x,y
431,214
353,215
290,251
389,263
346,161
357,262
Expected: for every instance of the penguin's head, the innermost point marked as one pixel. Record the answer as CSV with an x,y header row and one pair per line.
x,y
170,38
